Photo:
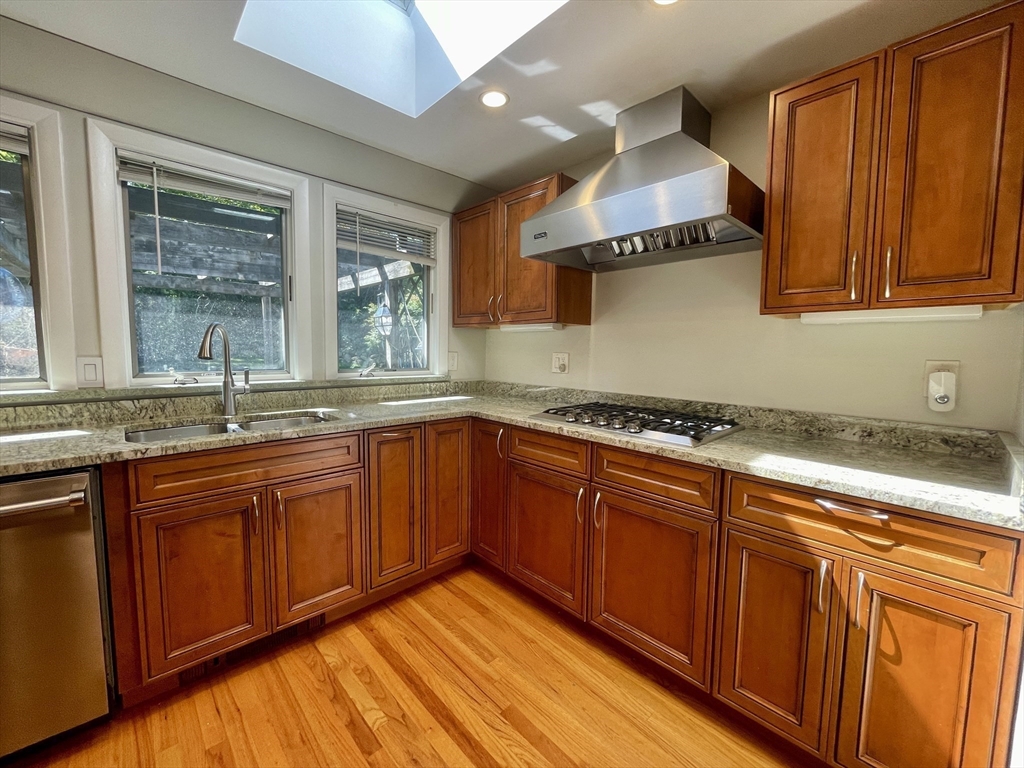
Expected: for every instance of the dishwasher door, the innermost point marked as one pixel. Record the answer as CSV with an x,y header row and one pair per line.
x,y
53,662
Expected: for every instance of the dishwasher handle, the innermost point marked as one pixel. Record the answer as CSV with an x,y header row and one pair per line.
x,y
73,499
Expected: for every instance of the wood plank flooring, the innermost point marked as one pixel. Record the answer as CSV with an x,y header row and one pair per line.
x,y
461,671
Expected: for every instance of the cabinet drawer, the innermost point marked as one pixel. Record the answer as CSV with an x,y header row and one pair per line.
x,y
190,474
964,555
667,478
550,450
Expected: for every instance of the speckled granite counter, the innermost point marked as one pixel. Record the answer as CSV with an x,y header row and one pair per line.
x,y
977,486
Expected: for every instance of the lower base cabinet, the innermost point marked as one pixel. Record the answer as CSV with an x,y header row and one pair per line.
x,y
489,491
447,505
547,535
651,580
395,476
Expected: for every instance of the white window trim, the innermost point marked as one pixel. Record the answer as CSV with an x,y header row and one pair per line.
x,y
53,253
104,139
438,323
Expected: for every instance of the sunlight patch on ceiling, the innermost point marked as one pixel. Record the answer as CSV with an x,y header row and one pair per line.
x,y
406,55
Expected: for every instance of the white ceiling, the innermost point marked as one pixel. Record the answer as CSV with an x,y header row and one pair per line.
x,y
590,57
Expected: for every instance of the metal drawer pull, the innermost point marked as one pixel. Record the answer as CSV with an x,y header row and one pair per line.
x,y
73,499
579,515
256,506
829,506
822,574
500,433
597,499
394,434
860,591
280,512
888,271
853,278
489,313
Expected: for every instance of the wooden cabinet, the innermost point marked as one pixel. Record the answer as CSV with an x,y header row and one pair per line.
x,y
489,484
447,468
821,174
923,678
395,479
201,580
954,165
652,571
492,284
547,534
317,546
942,223
773,638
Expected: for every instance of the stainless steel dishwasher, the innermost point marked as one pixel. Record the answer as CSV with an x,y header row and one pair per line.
x,y
54,670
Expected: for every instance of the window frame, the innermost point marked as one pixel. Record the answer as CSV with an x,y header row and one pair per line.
x,y
438,323
111,251
47,213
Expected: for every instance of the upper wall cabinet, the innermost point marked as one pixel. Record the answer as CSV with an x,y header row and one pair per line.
x,y
493,284
945,128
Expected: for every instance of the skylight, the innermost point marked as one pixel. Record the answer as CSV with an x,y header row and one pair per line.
x,y
405,54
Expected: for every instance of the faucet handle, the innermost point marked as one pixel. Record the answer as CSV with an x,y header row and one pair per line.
x,y
245,379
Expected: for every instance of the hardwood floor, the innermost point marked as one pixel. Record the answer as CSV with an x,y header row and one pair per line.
x,y
462,671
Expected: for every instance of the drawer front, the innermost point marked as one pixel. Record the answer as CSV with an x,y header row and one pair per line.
x,y
972,558
550,450
155,481
669,479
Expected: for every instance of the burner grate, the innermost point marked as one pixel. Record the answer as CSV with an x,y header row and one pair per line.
x,y
672,426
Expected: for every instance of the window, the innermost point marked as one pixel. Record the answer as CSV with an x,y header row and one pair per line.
x,y
203,249
21,352
384,289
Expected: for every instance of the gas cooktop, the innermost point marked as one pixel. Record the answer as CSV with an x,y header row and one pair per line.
x,y
644,423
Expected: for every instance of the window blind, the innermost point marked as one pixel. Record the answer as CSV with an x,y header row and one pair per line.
x,y
381,236
139,169
14,138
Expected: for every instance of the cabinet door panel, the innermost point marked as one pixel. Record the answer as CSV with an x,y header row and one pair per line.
x,y
922,676
546,534
954,165
201,575
474,265
396,504
651,575
821,182
490,484
527,286
447,489
773,634
318,546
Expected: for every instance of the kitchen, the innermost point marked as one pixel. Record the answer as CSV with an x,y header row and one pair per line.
x,y
418,402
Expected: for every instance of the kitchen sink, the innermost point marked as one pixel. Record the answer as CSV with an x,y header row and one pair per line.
x,y
178,433
291,422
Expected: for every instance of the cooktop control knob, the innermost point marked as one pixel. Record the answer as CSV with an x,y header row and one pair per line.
x,y
587,417
633,427
570,417
602,420
618,422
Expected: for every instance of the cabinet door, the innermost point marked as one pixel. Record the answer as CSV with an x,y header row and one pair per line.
x,y
824,147
395,471
773,634
922,676
475,265
651,577
546,534
489,483
201,578
318,546
954,165
528,287
447,489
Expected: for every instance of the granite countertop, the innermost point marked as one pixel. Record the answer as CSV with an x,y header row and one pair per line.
x,y
964,487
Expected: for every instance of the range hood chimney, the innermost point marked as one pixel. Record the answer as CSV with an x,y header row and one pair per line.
x,y
664,196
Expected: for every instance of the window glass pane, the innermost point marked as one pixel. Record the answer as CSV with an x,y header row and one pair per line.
x,y
19,339
219,260
382,316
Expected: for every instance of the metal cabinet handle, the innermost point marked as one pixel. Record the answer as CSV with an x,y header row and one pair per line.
x,y
73,499
579,514
489,313
888,270
829,506
822,575
500,433
256,507
853,278
497,306
860,591
394,434
597,500
280,512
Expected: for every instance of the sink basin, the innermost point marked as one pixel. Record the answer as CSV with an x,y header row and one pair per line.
x,y
178,433
286,423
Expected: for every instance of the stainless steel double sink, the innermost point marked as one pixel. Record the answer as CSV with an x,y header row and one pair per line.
x,y
224,428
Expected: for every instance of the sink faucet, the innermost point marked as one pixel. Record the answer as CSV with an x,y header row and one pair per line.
x,y
229,387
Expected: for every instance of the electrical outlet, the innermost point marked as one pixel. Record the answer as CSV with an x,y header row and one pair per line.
x,y
90,371
453,361
932,366
560,362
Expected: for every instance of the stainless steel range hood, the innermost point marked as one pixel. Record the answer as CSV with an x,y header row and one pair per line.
x,y
664,197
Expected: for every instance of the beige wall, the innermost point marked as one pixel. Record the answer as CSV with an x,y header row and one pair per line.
x,y
692,330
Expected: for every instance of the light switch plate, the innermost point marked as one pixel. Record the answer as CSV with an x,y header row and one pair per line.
x,y
90,371
453,361
560,362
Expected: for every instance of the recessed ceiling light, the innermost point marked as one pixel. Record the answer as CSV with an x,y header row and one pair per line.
x,y
494,98
665,2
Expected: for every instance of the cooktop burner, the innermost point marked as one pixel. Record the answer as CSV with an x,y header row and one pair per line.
x,y
649,423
